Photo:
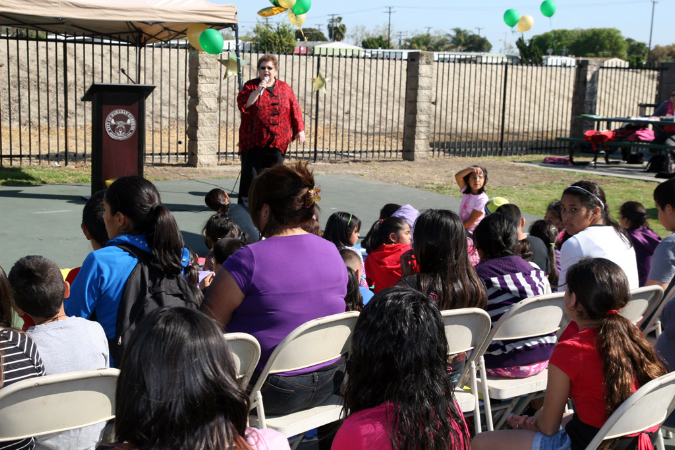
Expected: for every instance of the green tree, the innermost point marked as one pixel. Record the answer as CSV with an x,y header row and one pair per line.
x,y
280,38
661,54
475,43
429,43
336,29
312,34
529,53
459,39
636,53
591,42
376,42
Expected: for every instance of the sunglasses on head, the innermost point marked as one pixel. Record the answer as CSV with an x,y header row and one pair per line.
x,y
268,68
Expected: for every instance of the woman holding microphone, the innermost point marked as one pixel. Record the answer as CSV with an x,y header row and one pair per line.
x,y
270,119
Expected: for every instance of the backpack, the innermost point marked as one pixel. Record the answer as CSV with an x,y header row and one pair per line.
x,y
148,288
658,164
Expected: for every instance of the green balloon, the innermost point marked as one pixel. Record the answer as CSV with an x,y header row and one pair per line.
x,y
511,17
548,8
301,6
275,2
211,41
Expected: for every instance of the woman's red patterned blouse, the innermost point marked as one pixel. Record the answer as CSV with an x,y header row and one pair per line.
x,y
272,120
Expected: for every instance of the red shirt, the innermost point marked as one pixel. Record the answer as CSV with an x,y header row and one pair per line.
x,y
272,120
383,265
579,359
369,429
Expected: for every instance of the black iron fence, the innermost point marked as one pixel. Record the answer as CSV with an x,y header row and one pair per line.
x,y
359,116
480,107
42,117
500,108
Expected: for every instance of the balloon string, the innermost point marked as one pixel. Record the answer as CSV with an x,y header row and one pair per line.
x,y
550,19
303,34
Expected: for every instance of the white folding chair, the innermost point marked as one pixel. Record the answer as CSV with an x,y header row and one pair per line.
x,y
246,354
647,407
465,330
315,342
535,316
654,322
56,403
643,302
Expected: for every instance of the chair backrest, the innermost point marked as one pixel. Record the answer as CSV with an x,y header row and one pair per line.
x,y
312,343
643,302
534,316
55,403
246,354
465,329
647,407
654,321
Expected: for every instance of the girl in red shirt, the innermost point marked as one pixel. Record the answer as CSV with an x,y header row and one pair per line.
x,y
599,367
386,241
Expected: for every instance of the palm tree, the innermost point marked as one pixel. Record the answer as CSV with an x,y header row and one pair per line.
x,y
336,29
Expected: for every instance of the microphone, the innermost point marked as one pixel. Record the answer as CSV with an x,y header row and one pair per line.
x,y
266,80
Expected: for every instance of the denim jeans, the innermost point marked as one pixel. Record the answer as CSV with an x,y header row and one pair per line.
x,y
286,395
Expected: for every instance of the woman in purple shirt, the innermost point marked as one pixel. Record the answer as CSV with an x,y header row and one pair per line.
x,y
271,287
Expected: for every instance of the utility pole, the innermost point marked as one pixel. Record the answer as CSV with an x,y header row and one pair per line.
x,y
651,27
390,12
318,26
428,29
479,28
400,37
331,26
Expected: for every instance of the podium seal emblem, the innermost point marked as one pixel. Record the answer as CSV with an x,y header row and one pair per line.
x,y
120,124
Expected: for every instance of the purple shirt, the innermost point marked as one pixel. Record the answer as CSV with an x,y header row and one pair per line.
x,y
644,241
287,281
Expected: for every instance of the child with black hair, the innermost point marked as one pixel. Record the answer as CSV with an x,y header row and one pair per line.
x,y
387,210
222,250
386,241
353,260
508,279
533,249
219,226
598,368
218,201
633,219
548,233
65,344
471,182
342,229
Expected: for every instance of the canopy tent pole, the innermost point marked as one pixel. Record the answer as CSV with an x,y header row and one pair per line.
x,y
235,27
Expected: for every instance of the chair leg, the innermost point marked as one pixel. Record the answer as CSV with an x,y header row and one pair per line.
x,y
660,445
262,423
295,442
474,390
486,395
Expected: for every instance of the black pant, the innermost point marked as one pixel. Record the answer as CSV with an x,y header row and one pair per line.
x,y
253,162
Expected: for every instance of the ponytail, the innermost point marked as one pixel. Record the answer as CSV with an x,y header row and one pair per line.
x,y
165,239
380,231
601,287
138,200
218,201
353,299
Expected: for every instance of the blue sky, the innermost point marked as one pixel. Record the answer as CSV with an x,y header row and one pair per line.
x,y
631,17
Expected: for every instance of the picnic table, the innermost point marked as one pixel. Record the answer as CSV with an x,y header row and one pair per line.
x,y
656,123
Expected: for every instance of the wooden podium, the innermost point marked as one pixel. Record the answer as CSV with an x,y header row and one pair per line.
x,y
118,131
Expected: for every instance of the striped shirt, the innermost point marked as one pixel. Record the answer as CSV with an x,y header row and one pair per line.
x,y
508,280
20,361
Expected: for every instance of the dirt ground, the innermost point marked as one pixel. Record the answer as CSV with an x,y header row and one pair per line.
x,y
420,174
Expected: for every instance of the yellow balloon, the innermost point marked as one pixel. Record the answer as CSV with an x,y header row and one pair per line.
x,y
525,23
193,33
287,3
295,19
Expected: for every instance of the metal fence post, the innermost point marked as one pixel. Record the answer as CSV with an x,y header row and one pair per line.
x,y
503,126
316,113
65,99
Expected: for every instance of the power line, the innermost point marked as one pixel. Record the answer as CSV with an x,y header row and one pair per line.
x,y
390,12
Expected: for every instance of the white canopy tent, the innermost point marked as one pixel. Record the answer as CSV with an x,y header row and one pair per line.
x,y
138,22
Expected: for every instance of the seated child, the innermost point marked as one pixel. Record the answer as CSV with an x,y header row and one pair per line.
x,y
218,201
66,344
222,250
353,299
645,240
509,279
537,247
219,226
386,241
548,233
353,260
342,229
